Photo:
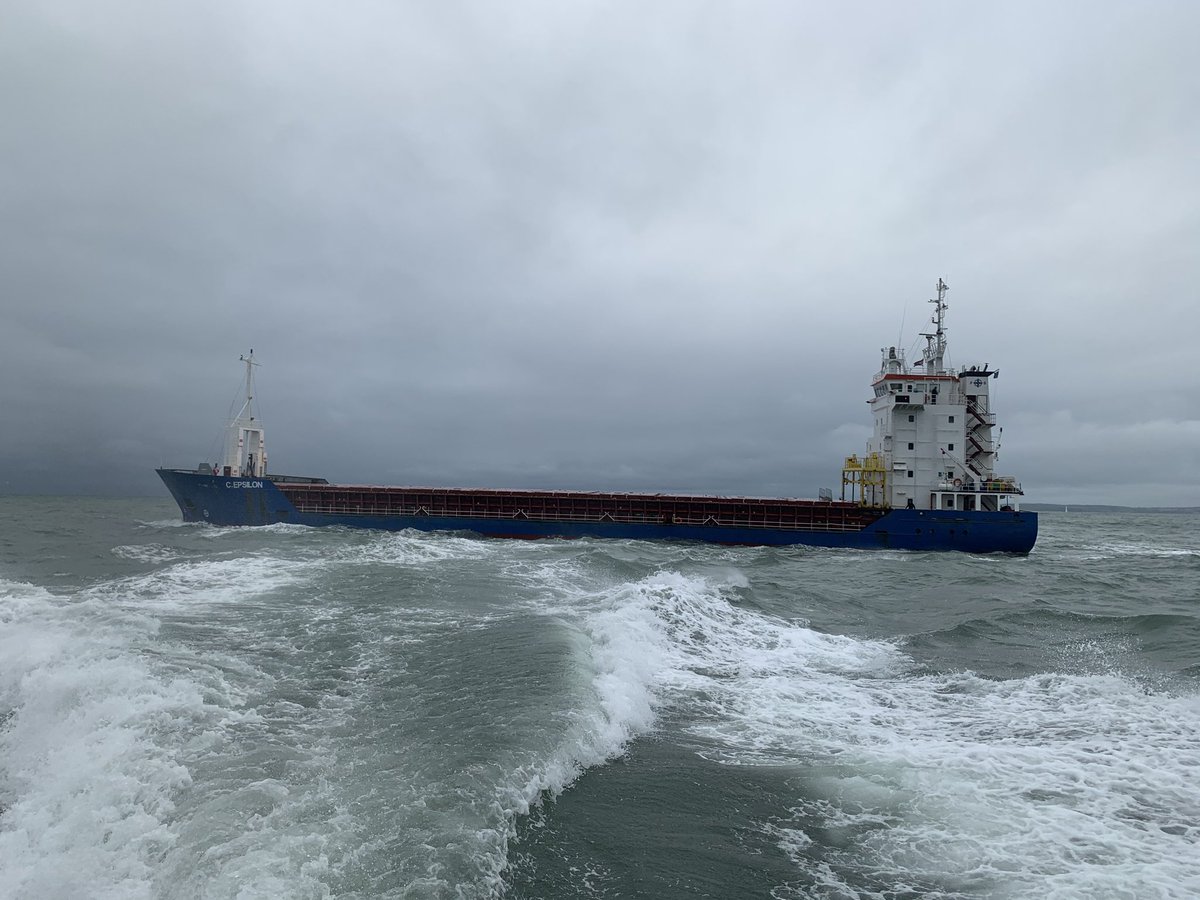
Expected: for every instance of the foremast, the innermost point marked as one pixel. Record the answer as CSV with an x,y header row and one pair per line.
x,y
245,440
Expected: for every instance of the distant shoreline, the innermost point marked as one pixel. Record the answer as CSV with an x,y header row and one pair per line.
x,y
1100,508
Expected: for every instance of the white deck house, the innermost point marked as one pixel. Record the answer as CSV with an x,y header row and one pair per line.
x,y
936,440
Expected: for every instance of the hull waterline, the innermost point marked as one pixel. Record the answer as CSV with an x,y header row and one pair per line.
x,y
225,501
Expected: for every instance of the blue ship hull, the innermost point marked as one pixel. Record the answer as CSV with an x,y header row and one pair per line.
x,y
221,500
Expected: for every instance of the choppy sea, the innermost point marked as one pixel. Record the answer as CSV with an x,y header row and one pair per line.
x,y
286,712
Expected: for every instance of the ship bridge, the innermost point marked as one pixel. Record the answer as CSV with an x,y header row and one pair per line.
x,y
935,439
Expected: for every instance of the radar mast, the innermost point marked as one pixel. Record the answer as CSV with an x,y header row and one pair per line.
x,y
935,342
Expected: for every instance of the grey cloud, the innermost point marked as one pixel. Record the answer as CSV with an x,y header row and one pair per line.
x,y
593,245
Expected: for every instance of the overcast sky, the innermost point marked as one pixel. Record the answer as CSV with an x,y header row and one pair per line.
x,y
594,245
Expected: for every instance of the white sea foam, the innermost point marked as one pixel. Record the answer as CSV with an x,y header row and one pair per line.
x,y
263,839
617,648
1050,786
131,768
156,553
414,548
142,735
88,779
1091,551
209,582
222,532
1130,549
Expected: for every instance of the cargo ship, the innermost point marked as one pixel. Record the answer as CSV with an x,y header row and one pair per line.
x,y
926,481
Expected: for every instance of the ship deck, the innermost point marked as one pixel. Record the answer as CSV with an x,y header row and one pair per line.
x,y
579,506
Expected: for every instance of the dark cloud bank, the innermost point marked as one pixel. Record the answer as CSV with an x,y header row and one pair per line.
x,y
593,245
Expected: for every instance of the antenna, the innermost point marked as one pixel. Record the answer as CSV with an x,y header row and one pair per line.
x,y
935,349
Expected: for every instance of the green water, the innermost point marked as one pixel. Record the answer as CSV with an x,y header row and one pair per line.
x,y
289,712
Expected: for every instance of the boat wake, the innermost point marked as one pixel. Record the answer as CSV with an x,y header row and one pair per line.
x,y
1055,785
368,715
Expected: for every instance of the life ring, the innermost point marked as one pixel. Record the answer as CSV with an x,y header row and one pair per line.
x,y
958,482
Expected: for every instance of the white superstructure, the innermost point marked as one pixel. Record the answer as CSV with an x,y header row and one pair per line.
x,y
936,441
245,442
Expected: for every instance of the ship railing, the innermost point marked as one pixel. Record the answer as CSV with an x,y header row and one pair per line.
x,y
983,486
852,522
